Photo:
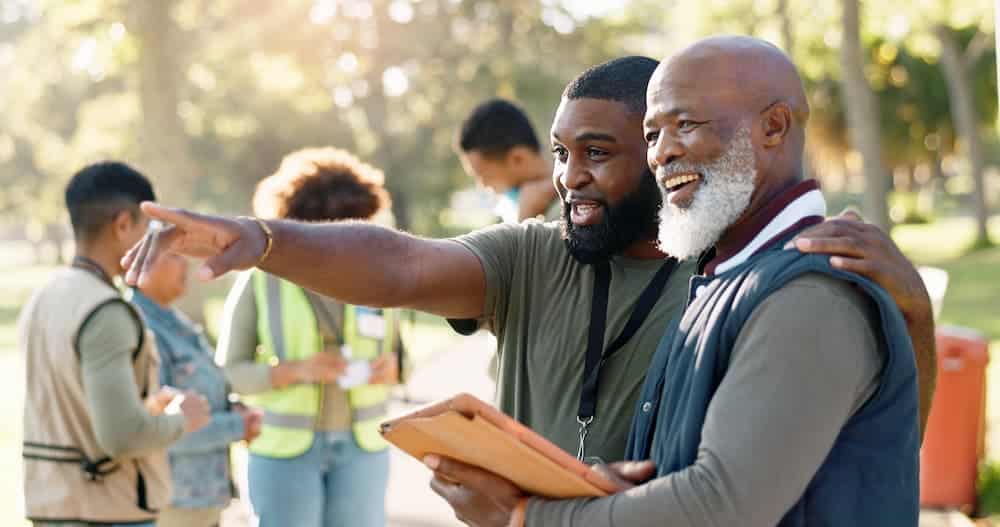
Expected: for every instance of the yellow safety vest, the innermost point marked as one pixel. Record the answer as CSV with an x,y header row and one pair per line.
x,y
288,330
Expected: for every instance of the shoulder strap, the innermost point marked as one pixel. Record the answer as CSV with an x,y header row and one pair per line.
x,y
643,306
140,326
595,334
596,354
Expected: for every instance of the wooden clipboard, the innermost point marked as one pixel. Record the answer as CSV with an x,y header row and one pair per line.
x,y
471,431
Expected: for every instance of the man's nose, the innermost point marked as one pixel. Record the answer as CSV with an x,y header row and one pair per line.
x,y
666,150
575,175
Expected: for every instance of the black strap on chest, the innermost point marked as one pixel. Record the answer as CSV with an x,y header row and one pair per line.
x,y
94,470
597,355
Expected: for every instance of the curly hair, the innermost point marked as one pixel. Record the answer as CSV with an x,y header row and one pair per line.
x,y
321,184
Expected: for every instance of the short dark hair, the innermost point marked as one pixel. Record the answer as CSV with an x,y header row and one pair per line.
x,y
97,193
623,79
321,184
496,126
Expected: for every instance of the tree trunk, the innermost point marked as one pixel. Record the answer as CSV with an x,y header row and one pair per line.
x,y
787,34
788,41
963,112
165,157
164,152
862,117
937,181
55,233
387,155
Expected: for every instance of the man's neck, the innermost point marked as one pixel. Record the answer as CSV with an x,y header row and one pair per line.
x,y
731,235
108,260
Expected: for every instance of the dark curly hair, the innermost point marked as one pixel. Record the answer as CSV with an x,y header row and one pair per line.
x,y
321,184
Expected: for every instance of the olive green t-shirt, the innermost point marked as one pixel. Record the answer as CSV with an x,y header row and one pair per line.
x,y
538,306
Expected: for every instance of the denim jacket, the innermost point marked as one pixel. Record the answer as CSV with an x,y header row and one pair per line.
x,y
199,461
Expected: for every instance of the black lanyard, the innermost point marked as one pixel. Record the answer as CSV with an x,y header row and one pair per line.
x,y
596,355
82,262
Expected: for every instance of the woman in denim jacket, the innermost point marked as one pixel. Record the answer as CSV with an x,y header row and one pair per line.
x,y
199,462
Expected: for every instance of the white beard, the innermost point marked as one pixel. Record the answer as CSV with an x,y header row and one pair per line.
x,y
726,187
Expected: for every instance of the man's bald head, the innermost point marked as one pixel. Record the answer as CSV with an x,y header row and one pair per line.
x,y
739,70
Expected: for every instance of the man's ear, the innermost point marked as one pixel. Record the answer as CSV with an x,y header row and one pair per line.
x,y
777,123
123,223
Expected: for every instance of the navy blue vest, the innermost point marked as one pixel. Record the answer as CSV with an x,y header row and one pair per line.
x,y
871,475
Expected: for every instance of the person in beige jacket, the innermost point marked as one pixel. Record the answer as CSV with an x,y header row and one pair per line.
x,y
96,421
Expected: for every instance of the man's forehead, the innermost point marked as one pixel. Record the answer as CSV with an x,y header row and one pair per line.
x,y
724,73
675,93
577,116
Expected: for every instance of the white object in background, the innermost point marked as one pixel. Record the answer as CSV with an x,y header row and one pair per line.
x,y
174,406
936,281
357,373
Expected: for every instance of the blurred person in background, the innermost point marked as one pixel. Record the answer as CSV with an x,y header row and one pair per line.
x,y
498,147
199,462
316,366
95,433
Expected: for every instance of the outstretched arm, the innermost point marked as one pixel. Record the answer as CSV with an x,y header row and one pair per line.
x,y
358,263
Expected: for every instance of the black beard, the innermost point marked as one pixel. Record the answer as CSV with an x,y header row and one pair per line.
x,y
623,225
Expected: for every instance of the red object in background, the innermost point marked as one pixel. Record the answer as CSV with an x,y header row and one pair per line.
x,y
954,439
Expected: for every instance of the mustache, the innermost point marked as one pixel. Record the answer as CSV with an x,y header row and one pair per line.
x,y
677,168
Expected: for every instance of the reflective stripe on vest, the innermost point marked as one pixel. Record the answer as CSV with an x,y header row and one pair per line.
x,y
377,411
288,330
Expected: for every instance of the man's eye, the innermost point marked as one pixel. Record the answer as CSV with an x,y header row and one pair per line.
x,y
652,137
559,153
686,125
595,153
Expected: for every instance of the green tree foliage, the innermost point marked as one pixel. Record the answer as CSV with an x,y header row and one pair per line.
x,y
207,97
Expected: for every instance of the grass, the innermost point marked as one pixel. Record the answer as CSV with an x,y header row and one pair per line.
x,y
973,297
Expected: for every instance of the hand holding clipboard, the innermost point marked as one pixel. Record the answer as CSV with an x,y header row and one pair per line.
x,y
469,430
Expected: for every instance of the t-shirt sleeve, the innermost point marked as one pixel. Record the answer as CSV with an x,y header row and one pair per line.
x,y
121,423
238,340
497,248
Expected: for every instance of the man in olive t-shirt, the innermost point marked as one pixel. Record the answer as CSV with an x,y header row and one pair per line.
x,y
538,305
